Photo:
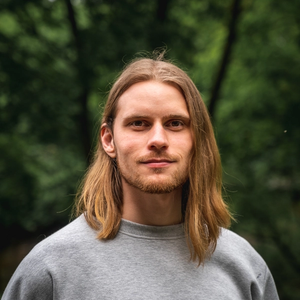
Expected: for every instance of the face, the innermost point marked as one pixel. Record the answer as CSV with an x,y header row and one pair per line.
x,y
151,140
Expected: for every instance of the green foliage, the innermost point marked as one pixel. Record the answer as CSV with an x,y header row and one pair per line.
x,y
55,72
257,126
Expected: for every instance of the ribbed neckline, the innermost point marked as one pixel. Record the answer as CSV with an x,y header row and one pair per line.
x,y
151,232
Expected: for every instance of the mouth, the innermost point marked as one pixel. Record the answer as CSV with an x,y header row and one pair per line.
x,y
157,163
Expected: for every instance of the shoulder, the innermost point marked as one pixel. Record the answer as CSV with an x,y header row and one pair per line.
x,y
72,235
233,240
61,245
236,253
34,277
230,242
235,259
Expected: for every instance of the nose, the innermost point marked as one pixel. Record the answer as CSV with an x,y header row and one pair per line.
x,y
158,138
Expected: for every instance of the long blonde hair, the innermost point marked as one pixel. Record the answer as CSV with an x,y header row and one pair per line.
x,y
203,208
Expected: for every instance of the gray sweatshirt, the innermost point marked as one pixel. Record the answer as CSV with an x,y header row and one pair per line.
x,y
142,262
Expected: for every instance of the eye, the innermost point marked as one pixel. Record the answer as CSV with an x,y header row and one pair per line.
x,y
175,124
138,125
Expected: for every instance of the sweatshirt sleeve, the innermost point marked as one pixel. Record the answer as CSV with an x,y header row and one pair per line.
x,y
265,289
270,291
31,280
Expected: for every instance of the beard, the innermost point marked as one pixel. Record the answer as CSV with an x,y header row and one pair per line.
x,y
152,186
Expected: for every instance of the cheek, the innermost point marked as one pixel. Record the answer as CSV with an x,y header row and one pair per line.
x,y
190,144
184,144
126,148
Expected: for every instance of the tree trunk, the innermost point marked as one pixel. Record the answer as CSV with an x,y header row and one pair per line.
x,y
82,118
235,12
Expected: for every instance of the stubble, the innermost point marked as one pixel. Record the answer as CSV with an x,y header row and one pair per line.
x,y
154,186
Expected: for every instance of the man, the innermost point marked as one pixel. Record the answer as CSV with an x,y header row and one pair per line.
x,y
151,219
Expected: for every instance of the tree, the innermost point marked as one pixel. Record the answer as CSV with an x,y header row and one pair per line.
x,y
58,58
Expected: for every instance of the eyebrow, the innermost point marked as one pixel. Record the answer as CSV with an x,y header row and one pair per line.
x,y
170,116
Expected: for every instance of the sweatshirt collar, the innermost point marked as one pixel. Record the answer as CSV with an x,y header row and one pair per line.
x,y
151,232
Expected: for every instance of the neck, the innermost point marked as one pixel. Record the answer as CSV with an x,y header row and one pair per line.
x,y
151,209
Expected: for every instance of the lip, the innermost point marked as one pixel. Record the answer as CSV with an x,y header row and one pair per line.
x,y
157,163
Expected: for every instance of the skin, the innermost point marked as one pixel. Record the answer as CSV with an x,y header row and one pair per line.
x,y
152,143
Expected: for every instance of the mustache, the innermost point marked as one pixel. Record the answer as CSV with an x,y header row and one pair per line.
x,y
146,158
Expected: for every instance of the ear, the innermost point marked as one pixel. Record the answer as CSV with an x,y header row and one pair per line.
x,y
107,140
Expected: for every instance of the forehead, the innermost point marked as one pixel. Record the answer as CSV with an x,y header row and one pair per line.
x,y
152,98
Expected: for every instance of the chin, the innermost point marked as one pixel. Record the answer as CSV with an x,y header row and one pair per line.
x,y
157,189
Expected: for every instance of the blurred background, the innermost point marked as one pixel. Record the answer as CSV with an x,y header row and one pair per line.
x,y
58,59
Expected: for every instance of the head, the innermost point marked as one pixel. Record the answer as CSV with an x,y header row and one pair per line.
x,y
203,209
150,139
